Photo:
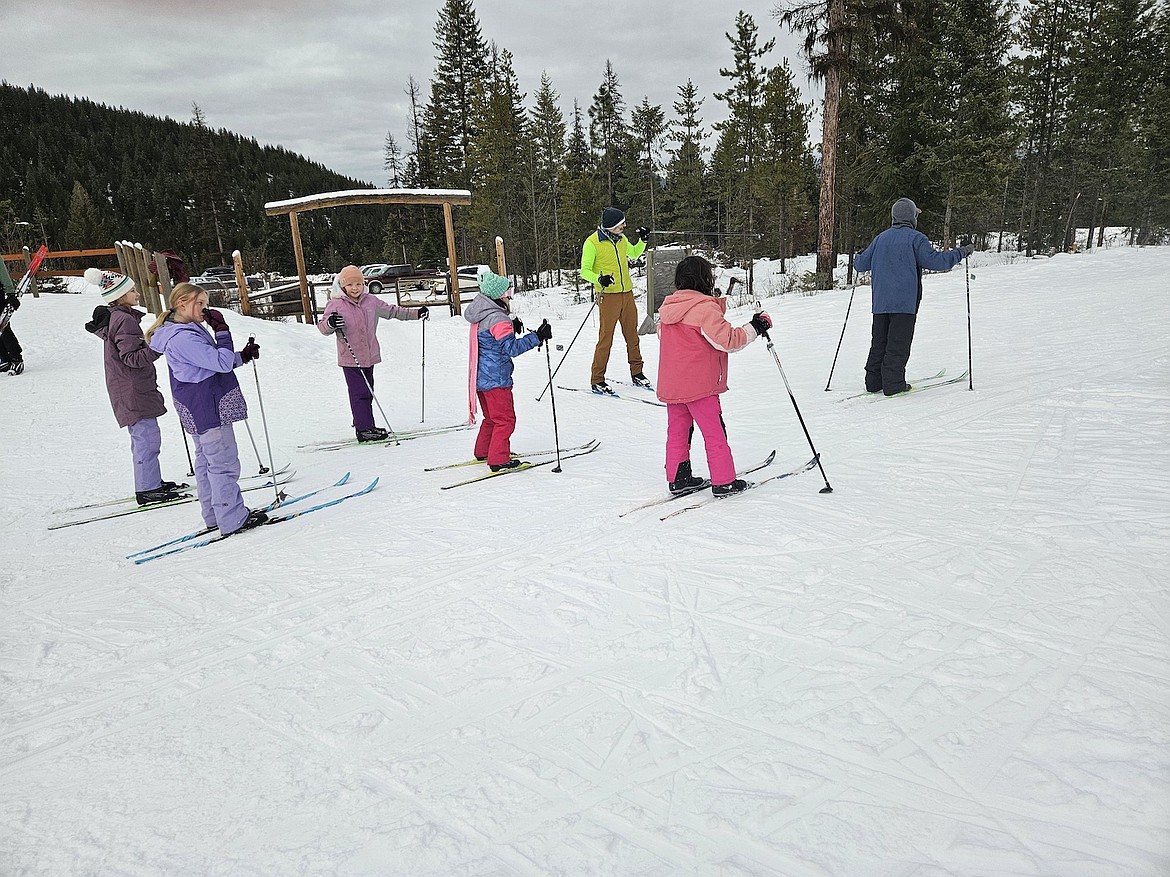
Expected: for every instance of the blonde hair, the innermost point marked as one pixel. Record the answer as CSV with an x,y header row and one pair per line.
x,y
181,293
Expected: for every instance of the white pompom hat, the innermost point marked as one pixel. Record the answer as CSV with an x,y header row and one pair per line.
x,y
112,285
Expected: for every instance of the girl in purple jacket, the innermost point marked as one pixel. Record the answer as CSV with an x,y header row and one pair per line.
x,y
208,400
131,381
353,315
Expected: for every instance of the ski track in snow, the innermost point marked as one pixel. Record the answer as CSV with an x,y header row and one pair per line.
x,y
954,664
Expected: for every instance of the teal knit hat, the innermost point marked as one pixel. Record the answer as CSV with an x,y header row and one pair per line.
x,y
493,285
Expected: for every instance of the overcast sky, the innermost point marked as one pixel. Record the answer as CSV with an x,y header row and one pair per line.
x,y
327,80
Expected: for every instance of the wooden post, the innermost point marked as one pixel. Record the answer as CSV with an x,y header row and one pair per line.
x,y
119,249
140,258
501,263
165,284
27,265
300,256
242,284
452,268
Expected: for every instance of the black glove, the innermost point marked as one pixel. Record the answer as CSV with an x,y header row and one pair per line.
x,y
517,325
251,351
643,233
967,249
215,320
606,281
337,322
423,313
761,322
101,319
543,331
12,301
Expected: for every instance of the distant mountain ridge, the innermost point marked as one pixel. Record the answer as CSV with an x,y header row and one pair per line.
x,y
90,174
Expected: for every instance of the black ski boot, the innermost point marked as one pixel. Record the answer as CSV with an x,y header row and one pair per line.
x,y
511,464
684,481
640,380
374,434
736,486
602,389
159,494
255,518
16,367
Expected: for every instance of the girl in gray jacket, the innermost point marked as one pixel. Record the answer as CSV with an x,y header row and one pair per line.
x,y
131,381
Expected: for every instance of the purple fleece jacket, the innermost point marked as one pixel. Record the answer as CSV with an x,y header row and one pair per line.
x,y
131,380
203,385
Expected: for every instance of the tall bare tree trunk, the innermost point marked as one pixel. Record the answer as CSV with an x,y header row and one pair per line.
x,y
826,253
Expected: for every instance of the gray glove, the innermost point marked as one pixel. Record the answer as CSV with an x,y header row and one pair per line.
x,y
967,249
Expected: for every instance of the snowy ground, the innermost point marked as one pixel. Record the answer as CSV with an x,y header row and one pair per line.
x,y
955,664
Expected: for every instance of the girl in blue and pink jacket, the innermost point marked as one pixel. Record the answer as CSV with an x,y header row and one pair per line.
x,y
208,400
695,339
495,340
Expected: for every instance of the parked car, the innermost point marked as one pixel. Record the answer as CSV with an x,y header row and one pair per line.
x,y
381,275
218,276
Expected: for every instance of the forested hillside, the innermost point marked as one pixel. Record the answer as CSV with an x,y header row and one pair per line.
x,y
89,174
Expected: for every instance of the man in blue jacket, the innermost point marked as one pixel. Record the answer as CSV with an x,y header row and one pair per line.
x,y
896,259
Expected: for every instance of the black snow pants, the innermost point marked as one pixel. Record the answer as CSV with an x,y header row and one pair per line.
x,y
9,347
889,351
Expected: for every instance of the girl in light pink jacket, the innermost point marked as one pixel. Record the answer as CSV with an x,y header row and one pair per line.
x,y
695,339
352,314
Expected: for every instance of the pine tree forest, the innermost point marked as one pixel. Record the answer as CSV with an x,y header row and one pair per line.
x,y
1019,124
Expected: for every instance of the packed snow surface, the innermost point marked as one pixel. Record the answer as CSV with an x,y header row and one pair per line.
x,y
954,664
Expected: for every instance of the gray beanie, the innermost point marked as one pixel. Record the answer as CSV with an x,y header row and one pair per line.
x,y
905,212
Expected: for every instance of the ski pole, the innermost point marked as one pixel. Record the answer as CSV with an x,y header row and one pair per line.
x,y
772,350
259,462
970,377
190,465
357,362
423,417
842,338
264,423
552,397
548,386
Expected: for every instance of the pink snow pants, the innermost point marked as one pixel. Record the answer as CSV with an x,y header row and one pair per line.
x,y
499,421
707,413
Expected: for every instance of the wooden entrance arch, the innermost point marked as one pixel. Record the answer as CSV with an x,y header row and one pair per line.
x,y
447,198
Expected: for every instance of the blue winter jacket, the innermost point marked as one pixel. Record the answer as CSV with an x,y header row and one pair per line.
x,y
896,257
494,343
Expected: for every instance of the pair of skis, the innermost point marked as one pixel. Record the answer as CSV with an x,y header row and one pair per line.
x,y
706,486
587,448
402,436
126,505
277,514
653,402
916,386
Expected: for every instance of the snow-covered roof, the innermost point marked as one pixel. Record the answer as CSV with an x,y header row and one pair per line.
x,y
324,199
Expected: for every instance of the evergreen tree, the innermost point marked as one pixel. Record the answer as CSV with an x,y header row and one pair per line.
x,y
460,65
547,132
648,125
85,229
579,208
742,134
498,162
686,196
787,177
609,139
208,169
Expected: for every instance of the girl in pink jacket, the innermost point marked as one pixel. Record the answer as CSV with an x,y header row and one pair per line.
x,y
695,339
353,315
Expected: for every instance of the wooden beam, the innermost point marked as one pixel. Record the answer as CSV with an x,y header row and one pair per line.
x,y
301,273
63,254
242,284
435,197
501,262
452,267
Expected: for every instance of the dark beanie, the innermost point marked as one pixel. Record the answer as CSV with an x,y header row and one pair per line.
x,y
611,216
